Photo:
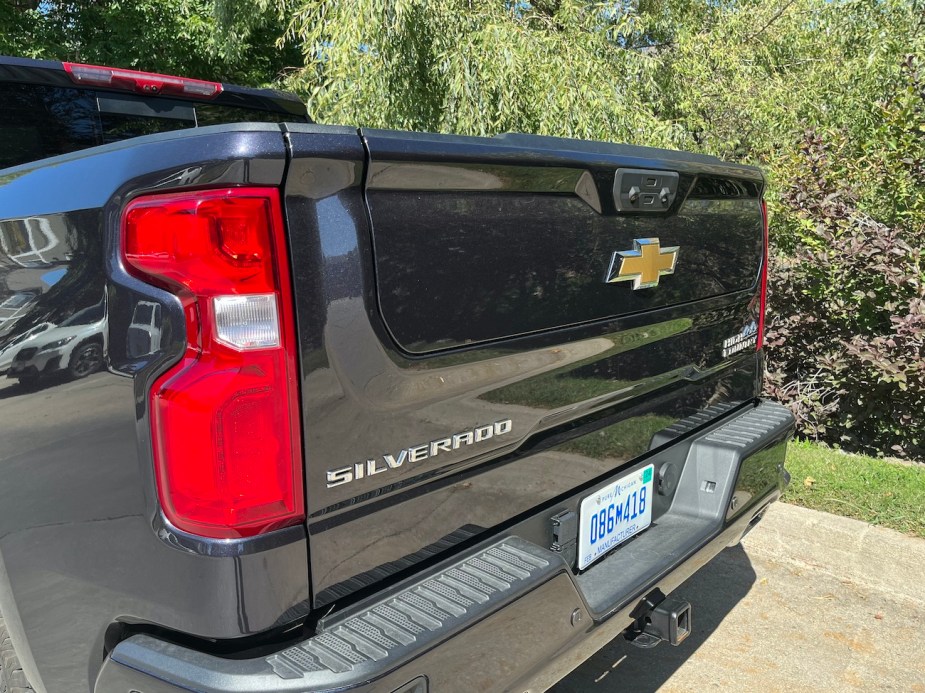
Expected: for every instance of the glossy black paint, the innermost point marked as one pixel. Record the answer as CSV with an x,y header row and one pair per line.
x,y
508,258
365,396
82,542
93,558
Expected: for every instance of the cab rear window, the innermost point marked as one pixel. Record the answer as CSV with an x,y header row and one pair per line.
x,y
216,114
116,127
37,121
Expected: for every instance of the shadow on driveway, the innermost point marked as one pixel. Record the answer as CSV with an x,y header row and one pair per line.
x,y
713,592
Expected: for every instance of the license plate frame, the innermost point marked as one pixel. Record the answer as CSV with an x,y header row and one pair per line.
x,y
601,522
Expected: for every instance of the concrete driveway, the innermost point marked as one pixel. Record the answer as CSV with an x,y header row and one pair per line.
x,y
809,600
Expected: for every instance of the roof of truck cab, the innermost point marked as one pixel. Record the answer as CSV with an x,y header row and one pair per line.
x,y
52,73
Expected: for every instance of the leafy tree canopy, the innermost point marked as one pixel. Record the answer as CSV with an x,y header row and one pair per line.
x,y
828,96
195,38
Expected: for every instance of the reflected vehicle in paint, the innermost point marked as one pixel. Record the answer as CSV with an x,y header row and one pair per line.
x,y
77,346
20,341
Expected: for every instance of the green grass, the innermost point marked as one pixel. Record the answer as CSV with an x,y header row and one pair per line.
x,y
865,488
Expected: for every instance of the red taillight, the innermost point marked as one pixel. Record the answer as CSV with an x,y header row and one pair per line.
x,y
141,82
224,420
763,300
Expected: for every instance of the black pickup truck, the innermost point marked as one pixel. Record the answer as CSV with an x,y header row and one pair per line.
x,y
297,407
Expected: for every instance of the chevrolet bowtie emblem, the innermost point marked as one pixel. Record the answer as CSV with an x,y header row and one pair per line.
x,y
644,264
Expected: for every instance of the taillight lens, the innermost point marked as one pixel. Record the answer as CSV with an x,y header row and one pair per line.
x,y
763,300
141,82
224,420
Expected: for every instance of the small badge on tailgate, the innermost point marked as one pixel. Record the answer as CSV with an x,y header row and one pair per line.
x,y
643,265
746,339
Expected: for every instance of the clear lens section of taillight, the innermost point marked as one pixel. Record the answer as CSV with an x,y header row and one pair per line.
x,y
224,420
247,322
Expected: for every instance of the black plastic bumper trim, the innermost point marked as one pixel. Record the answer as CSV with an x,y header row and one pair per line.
x,y
508,605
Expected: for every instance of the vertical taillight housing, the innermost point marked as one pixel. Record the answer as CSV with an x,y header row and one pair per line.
x,y
224,420
763,281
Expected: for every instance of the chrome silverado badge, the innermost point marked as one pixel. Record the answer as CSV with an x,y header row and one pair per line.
x,y
417,453
644,264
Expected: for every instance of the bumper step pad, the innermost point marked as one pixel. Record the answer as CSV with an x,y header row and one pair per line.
x,y
426,609
366,641
717,462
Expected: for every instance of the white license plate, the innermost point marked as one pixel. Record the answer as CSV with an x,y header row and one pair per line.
x,y
613,514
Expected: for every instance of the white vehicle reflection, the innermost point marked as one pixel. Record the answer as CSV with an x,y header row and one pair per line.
x,y
76,346
12,348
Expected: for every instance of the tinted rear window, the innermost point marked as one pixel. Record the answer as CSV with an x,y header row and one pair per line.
x,y
216,114
38,121
118,127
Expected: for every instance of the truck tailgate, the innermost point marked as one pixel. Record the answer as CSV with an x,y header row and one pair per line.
x,y
473,344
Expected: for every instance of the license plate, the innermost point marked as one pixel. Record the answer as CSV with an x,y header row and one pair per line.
x,y
613,514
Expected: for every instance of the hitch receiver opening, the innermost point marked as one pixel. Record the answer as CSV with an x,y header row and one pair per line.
x,y
668,620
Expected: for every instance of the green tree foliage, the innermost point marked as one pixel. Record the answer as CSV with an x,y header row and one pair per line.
x,y
847,342
828,96
197,38
476,67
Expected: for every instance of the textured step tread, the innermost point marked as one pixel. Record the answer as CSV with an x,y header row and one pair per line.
x,y
12,677
752,426
431,604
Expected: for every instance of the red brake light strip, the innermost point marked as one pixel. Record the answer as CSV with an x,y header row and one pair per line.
x,y
141,82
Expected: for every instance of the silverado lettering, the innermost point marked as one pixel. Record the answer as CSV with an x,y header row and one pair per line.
x,y
417,453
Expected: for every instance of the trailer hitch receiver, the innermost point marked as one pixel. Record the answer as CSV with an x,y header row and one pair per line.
x,y
667,618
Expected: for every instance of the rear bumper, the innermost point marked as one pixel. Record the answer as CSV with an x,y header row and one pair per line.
x,y
510,613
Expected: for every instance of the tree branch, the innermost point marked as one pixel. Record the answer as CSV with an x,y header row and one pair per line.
x,y
774,18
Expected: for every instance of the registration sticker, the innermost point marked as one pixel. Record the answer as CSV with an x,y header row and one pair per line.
x,y
613,514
